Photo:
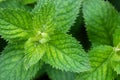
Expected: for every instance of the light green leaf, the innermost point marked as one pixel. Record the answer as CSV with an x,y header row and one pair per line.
x,y
116,44
100,59
116,56
15,24
66,13
58,13
65,53
101,20
2,0
34,51
11,65
55,74
44,13
116,66
28,1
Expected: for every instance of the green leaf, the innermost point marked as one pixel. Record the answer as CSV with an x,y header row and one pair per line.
x,y
66,13
11,4
65,53
44,13
101,20
116,56
116,66
100,59
116,38
116,44
34,51
11,65
58,13
15,24
28,1
55,74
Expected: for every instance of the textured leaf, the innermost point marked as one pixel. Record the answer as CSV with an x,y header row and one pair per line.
x,y
11,4
116,56
116,38
66,13
11,65
58,13
65,53
34,51
60,75
43,16
15,24
100,59
101,20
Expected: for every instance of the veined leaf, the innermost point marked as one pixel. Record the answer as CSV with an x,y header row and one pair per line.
x,y
116,44
58,13
11,65
15,24
116,57
100,59
43,16
34,51
101,20
65,53
55,74
11,4
116,38
66,13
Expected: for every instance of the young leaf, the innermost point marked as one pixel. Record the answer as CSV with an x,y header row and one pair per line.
x,y
14,24
55,74
65,53
62,13
101,20
100,59
34,51
11,65
44,13
116,57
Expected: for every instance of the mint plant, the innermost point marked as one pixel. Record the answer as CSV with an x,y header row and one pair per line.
x,y
40,40
102,23
39,36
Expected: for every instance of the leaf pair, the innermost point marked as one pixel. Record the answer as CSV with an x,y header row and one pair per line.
x,y
42,36
102,23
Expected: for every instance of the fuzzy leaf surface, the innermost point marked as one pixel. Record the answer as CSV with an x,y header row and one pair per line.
x,y
116,38
101,20
43,16
11,65
14,24
100,59
59,12
55,74
34,51
65,53
11,4
116,57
